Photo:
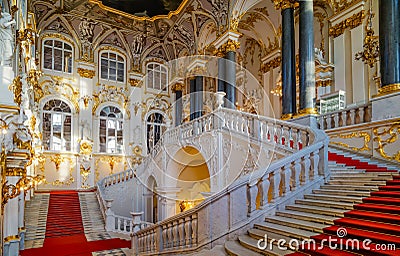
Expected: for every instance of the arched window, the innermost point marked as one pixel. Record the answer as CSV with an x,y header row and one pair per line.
x,y
156,127
112,67
111,133
57,56
157,77
57,125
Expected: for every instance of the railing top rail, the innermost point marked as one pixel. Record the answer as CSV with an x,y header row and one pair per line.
x,y
348,108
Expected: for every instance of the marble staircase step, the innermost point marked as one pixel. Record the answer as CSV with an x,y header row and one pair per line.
x,y
345,199
295,223
319,218
295,233
337,205
341,192
316,209
356,182
234,248
252,244
350,188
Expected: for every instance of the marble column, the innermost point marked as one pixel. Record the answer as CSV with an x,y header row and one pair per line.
x,y
199,97
288,63
230,77
306,58
389,44
221,71
10,222
178,106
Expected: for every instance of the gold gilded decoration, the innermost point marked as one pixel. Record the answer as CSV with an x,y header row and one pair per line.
x,y
231,45
287,116
85,174
177,87
365,135
25,183
16,88
138,158
135,82
42,161
392,134
307,111
111,160
15,171
284,4
370,53
57,159
272,64
11,238
341,5
86,99
387,89
354,21
86,73
58,36
33,80
85,147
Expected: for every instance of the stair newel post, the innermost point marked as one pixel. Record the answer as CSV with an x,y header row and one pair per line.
x,y
296,170
110,219
263,187
134,244
286,172
181,228
252,191
314,163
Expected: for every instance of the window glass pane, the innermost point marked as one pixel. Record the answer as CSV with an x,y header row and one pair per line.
x,y
120,58
113,56
68,62
58,44
48,58
67,133
48,42
57,58
67,47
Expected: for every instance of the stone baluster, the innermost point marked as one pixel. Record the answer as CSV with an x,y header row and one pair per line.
x,y
181,228
305,176
164,236
314,163
175,226
352,116
194,229
328,121
322,122
252,191
286,171
344,118
263,187
361,113
296,171
188,232
336,119
276,177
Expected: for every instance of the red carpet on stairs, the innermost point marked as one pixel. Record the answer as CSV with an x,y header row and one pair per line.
x,y
376,219
64,230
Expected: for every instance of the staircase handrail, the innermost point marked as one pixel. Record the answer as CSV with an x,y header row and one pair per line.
x,y
181,232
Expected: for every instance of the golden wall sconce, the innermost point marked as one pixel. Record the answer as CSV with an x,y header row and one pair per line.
x,y
86,99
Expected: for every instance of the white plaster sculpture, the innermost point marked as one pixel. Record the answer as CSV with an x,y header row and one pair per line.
x,y
6,38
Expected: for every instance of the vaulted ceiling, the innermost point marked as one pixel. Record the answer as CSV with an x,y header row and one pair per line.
x,y
144,7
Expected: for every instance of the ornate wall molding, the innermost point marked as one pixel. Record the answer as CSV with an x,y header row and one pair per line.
x,y
272,64
86,73
364,135
354,21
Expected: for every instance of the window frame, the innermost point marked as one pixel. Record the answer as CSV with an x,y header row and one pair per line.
x,y
153,124
64,115
63,50
117,54
117,120
162,70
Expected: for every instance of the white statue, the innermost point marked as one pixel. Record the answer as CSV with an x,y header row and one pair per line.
x,y
6,38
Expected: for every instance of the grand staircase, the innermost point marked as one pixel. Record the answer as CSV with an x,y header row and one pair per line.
x,y
360,201
68,223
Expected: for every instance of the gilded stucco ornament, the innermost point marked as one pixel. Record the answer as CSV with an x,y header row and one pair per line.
x,y
16,88
370,53
284,4
57,159
135,82
354,21
85,147
86,73
386,137
364,135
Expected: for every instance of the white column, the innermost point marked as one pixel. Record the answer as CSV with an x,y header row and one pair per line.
x,y
10,222
168,201
6,78
340,63
21,219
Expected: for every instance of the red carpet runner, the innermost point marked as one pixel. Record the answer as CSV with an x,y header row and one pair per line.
x,y
64,230
376,219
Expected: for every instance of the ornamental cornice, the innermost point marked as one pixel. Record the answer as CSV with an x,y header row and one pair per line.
x,y
177,87
285,4
135,82
353,21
